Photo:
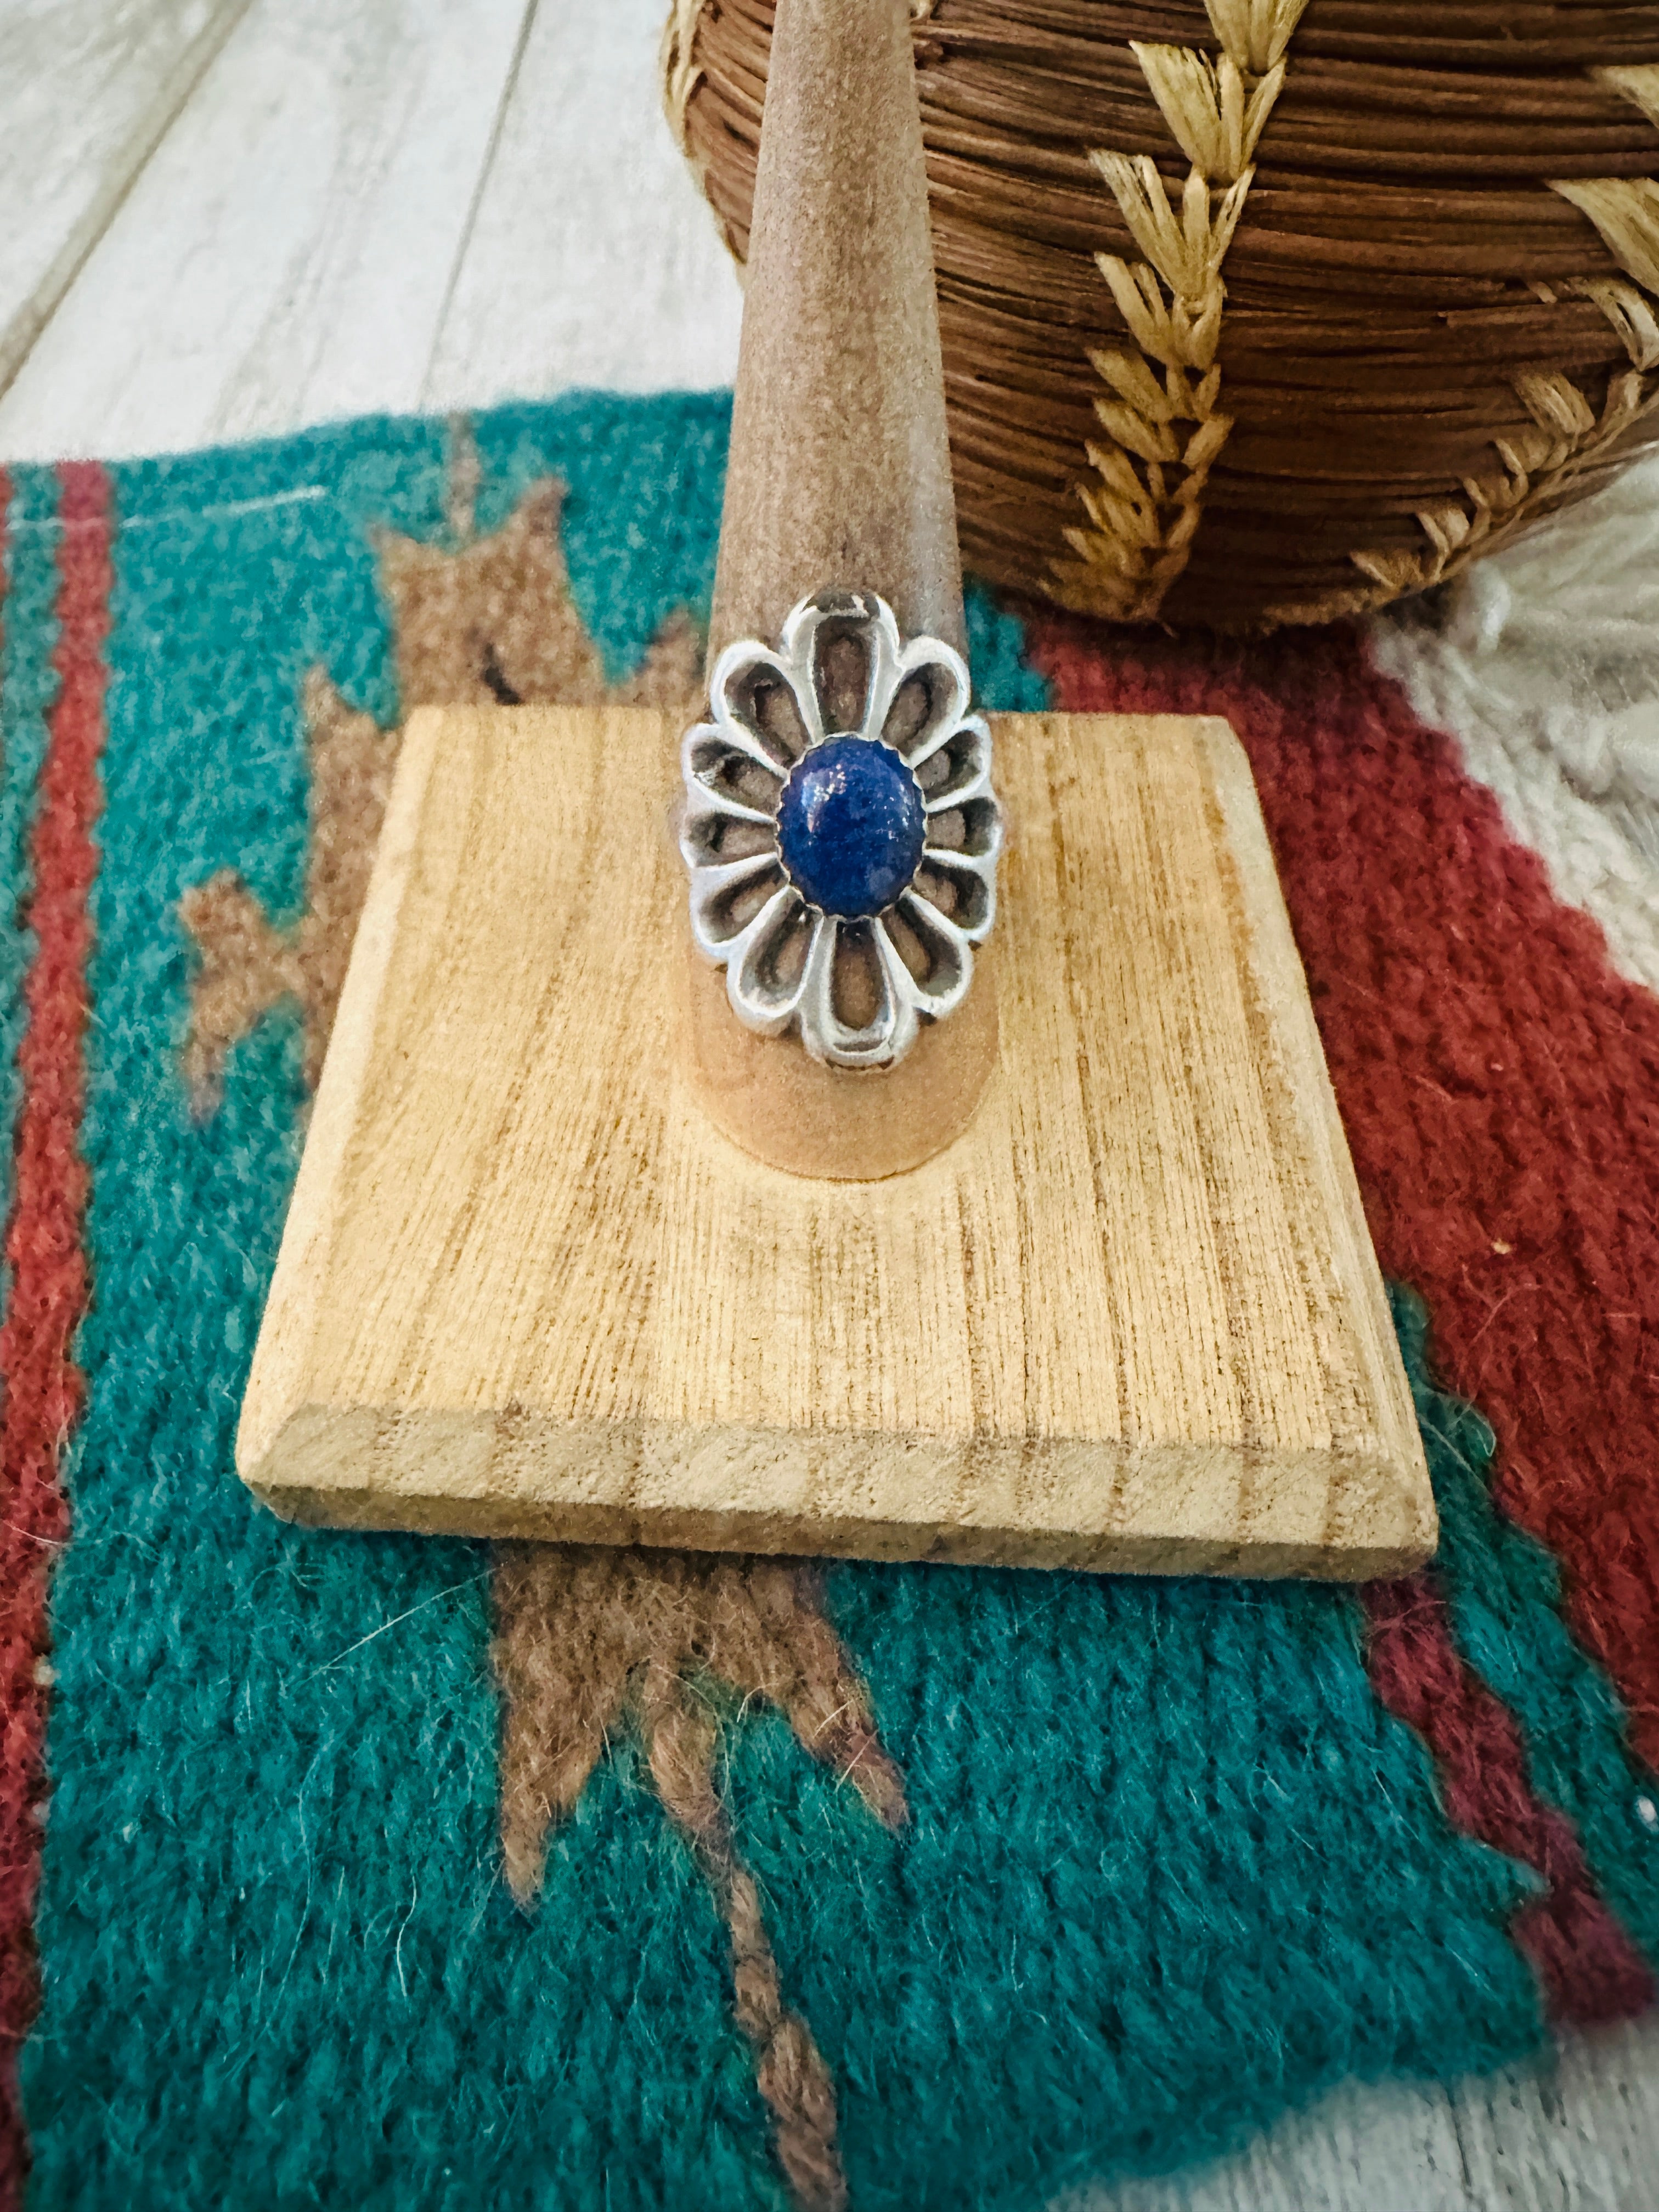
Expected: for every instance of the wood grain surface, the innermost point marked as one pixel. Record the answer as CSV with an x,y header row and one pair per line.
x,y
88,92
591,257
286,254
231,220
1131,1318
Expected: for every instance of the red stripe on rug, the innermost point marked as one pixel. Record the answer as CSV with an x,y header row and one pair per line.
x,y
43,1389
1590,1969
1499,1083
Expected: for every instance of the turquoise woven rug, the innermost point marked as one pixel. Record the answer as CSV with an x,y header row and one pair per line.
x,y
715,1885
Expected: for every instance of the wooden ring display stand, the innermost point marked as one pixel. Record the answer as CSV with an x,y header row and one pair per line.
x,y
1112,1303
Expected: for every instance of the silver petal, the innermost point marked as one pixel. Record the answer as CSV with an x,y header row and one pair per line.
x,y
880,1042
757,998
710,886
739,662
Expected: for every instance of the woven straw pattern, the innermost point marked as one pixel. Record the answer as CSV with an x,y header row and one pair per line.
x,y
1259,311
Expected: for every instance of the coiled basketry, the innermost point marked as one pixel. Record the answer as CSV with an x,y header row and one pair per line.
x,y
1260,311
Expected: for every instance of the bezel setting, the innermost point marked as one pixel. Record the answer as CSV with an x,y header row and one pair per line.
x,y
858,987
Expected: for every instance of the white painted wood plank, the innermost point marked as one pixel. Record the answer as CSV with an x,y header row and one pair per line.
x,y
1579,2135
88,88
1584,2137
592,257
285,254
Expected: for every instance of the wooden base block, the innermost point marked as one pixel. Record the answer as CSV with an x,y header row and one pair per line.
x,y
1130,1318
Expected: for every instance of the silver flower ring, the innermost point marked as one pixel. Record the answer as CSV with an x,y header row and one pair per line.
x,y
841,830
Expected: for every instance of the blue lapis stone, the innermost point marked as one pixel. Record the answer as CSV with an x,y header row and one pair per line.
x,y
850,826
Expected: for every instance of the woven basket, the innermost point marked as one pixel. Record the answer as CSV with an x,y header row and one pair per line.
x,y
1256,311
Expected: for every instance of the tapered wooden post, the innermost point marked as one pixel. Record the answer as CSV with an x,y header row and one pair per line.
x,y
840,468
839,478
